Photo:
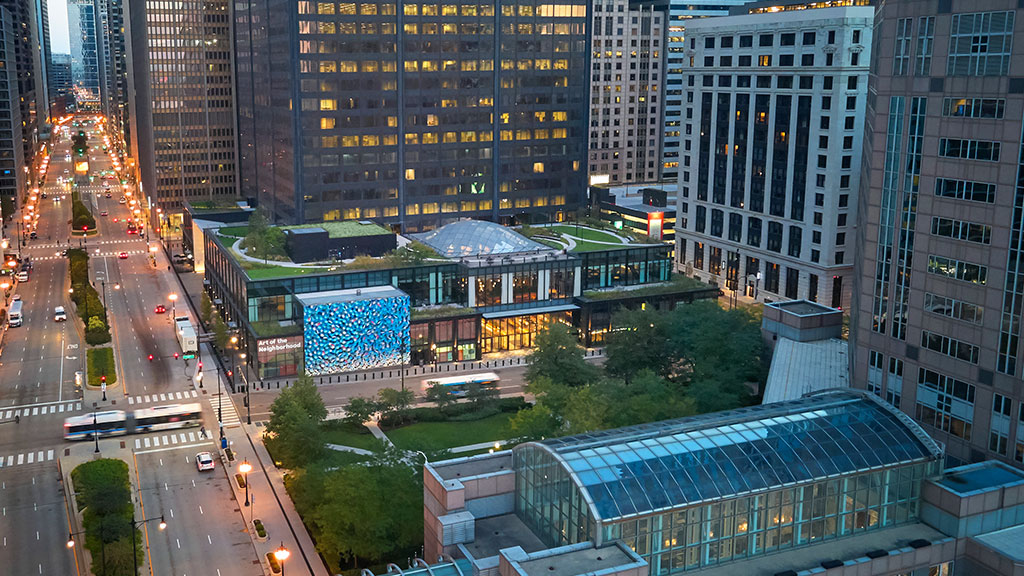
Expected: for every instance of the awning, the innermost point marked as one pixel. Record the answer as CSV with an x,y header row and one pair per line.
x,y
530,311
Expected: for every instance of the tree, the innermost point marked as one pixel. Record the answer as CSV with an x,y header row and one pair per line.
x,y
360,410
535,423
255,238
206,309
220,333
439,395
639,342
295,421
481,396
96,324
392,400
559,357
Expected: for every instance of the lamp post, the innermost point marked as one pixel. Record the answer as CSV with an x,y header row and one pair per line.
x,y
136,524
173,298
245,468
95,432
282,554
248,403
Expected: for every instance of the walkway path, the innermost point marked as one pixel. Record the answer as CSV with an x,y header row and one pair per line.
x,y
241,254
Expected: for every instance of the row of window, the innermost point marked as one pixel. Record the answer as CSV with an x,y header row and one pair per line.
x,y
956,269
969,149
808,38
950,346
965,190
953,308
962,230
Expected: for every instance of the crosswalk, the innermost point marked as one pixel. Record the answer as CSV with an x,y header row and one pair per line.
x,y
41,410
168,397
226,410
33,457
172,439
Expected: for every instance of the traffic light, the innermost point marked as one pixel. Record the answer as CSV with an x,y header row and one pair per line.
x,y
175,355
200,365
103,379
150,357
230,373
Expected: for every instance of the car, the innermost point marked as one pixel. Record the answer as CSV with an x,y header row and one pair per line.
x,y
123,200
22,276
116,219
109,195
43,194
16,298
123,255
103,213
160,309
204,461
59,315
34,235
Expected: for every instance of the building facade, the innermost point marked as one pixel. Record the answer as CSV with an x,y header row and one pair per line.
x,y
113,64
181,112
85,65
60,76
768,194
627,80
936,330
416,115
681,12
12,158
29,48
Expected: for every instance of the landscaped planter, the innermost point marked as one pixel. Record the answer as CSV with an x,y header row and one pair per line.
x,y
241,481
259,530
275,566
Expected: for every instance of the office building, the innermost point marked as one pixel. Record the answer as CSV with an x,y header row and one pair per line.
x,y
836,483
12,154
113,65
775,108
28,49
61,89
681,12
181,110
415,116
85,64
936,329
627,80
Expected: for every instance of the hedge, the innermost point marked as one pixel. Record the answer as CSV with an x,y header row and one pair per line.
x,y
101,361
87,300
80,214
459,412
104,495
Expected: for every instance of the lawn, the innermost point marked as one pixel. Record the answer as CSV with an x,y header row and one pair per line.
x,y
345,434
584,246
443,435
233,231
336,458
585,233
100,362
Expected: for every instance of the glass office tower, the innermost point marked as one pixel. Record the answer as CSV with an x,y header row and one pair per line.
x,y
412,114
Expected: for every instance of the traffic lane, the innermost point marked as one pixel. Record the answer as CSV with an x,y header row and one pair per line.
x,y
512,382
205,533
32,434
34,526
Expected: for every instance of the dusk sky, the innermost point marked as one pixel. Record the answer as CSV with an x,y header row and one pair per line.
x,y
59,38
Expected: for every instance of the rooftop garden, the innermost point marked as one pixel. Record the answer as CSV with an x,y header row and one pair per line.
x,y
590,236
677,283
345,228
440,311
215,205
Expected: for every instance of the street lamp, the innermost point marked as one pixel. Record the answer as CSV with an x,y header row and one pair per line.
x,y
282,554
135,524
245,468
95,432
173,298
248,409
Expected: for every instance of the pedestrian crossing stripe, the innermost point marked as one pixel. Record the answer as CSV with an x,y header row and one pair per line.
x,y
34,457
143,399
172,439
40,410
226,411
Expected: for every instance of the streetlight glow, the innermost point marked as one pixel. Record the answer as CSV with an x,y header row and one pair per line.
x,y
71,541
245,467
162,525
282,553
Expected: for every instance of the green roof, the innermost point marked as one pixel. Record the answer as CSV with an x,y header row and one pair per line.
x,y
345,228
215,205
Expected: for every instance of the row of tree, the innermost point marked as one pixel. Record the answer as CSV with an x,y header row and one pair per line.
x,y
87,301
698,358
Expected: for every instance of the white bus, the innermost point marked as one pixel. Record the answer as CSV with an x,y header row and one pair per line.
x,y
118,422
14,314
458,385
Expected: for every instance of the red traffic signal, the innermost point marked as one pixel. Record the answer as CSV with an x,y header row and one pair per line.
x,y
200,364
150,357
103,379
175,355
230,373
85,228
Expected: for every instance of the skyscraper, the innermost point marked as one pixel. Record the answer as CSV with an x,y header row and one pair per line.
x,y
85,64
181,111
61,93
113,67
774,122
412,114
28,50
936,329
12,155
627,82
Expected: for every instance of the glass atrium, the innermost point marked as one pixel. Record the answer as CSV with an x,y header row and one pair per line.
x,y
695,492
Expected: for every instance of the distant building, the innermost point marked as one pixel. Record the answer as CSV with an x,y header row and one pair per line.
x,y
837,482
85,63
414,119
12,159
646,210
113,66
30,47
627,99
775,124
60,76
937,328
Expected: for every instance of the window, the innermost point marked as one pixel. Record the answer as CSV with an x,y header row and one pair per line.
x,y
786,60
969,149
764,60
956,269
787,39
746,41
952,308
808,39
774,238
979,44
709,42
965,190
962,230
754,232
973,107
735,227
925,44
795,241
901,56
894,384
1000,426
726,42
950,346
944,403
717,220
792,283
765,40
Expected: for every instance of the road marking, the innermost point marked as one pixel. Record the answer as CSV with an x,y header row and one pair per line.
x,y
61,408
31,458
40,456
131,400
163,397
201,512
49,455
35,411
146,397
179,543
197,445
138,443
174,439
208,539
146,442
53,409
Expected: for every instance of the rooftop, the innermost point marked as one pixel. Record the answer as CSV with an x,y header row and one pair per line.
x,y
576,562
470,466
478,238
343,228
799,368
353,295
980,477
500,532
802,307
678,463
1006,542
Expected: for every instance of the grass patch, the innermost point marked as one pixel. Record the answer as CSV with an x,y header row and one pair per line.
x,y
101,362
584,246
345,434
233,231
585,233
677,283
443,435
551,243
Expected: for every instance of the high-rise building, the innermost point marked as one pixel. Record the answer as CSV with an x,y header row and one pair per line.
x,y
416,115
681,12
28,50
42,58
61,92
181,113
113,67
940,290
12,155
85,63
774,123
627,80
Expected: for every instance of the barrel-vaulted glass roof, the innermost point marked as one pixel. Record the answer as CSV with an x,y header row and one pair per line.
x,y
678,463
477,237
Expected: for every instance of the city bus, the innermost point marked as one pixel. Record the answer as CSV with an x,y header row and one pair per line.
x,y
458,385
119,422
14,314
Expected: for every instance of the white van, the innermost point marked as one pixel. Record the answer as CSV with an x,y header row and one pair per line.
x,y
59,315
14,314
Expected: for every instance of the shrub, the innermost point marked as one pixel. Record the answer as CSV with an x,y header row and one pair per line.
x,y
260,530
274,566
241,481
103,493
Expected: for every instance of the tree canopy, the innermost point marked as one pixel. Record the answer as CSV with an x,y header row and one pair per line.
x,y
295,419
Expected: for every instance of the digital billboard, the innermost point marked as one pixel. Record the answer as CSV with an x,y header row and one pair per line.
x,y
348,330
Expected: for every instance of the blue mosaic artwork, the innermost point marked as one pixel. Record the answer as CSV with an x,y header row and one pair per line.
x,y
360,335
